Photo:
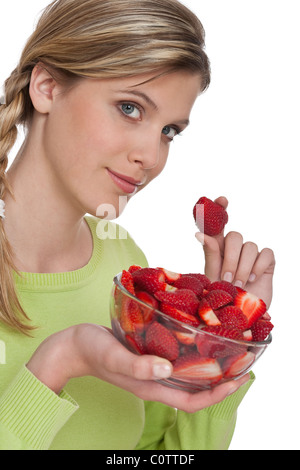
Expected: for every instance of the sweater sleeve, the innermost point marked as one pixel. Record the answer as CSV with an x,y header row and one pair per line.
x,y
209,429
31,414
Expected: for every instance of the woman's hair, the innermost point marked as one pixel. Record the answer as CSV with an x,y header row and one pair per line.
x,y
92,39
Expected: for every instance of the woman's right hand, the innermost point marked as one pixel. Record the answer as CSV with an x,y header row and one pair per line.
x,y
92,350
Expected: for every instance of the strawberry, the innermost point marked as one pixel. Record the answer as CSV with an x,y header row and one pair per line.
x,y
236,365
193,366
170,275
251,305
152,304
232,316
223,285
218,298
179,315
185,337
189,282
149,279
230,333
261,330
133,268
247,335
209,216
131,317
127,281
161,342
207,314
183,299
211,346
205,281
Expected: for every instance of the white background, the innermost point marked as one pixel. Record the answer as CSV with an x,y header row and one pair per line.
x,y
243,143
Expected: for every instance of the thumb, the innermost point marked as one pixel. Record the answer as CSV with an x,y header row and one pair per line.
x,y
212,254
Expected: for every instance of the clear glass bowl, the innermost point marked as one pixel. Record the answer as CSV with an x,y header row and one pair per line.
x,y
204,359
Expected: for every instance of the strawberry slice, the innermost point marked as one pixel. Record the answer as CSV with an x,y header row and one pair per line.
x,y
161,342
191,283
185,337
205,281
223,285
236,365
148,311
207,314
218,298
131,317
211,346
251,305
232,316
196,367
170,275
127,281
136,343
261,330
177,314
183,299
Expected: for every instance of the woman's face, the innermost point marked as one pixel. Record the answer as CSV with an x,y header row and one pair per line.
x,y
104,139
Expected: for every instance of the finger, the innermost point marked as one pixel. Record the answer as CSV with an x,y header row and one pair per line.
x,y
245,267
223,201
264,264
212,254
232,251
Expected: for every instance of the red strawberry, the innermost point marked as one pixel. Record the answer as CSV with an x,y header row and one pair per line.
x,y
211,346
149,309
149,279
209,216
161,342
201,277
131,317
251,305
133,268
236,365
224,285
183,299
218,298
179,315
230,333
247,335
194,366
261,330
232,316
207,314
127,281
185,337
189,282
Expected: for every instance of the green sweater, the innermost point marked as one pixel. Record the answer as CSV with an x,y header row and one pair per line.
x,y
89,413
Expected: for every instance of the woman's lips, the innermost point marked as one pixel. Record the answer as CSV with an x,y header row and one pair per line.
x,y
125,183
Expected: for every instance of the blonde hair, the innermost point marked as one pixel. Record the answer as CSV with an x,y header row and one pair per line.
x,y
92,39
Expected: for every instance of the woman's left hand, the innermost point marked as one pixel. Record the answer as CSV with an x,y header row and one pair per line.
x,y
229,258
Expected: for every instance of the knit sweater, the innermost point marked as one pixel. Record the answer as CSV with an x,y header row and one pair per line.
x,y
89,413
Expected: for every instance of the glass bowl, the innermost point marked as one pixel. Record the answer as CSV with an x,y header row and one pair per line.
x,y
201,360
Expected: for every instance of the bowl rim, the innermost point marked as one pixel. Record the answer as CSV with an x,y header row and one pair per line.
x,y
266,342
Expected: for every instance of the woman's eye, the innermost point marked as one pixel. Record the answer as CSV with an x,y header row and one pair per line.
x,y
170,132
131,110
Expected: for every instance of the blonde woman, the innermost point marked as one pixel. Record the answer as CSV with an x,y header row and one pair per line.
x,y
102,88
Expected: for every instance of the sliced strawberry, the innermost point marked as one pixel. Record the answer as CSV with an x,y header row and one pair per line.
x,y
161,342
194,366
207,314
209,216
191,283
261,330
131,317
185,337
230,333
133,268
179,315
170,276
218,298
183,299
223,285
205,281
236,365
136,343
149,279
127,281
247,335
251,305
211,346
232,316
147,311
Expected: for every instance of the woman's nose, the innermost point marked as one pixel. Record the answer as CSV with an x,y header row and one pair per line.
x,y
146,152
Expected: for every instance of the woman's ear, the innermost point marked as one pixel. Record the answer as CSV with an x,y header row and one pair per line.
x,y
42,89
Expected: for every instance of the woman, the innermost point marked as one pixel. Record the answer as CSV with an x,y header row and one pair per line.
x,y
102,88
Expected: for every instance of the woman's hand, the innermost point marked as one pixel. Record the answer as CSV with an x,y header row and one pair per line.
x,y
88,349
229,258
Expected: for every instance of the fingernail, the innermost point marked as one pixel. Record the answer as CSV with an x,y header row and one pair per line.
x,y
238,284
252,277
161,370
200,237
228,277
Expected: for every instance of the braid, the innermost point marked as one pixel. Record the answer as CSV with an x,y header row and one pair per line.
x,y
11,114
